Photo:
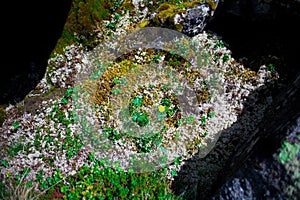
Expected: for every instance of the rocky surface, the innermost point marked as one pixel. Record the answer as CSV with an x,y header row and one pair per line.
x,y
35,129
269,173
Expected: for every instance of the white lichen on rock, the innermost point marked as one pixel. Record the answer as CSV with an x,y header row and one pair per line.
x,y
43,133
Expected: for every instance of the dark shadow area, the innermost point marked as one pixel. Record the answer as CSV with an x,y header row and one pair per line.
x,y
255,38
257,35
214,169
261,176
29,33
245,150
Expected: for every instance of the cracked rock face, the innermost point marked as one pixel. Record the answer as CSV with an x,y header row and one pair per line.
x,y
195,19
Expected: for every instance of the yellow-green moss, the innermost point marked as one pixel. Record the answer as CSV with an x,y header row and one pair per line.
x,y
82,19
166,13
108,77
164,6
85,15
179,27
144,23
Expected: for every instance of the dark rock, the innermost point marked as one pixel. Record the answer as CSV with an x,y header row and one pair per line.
x,y
265,175
256,35
195,19
253,31
189,18
256,10
30,30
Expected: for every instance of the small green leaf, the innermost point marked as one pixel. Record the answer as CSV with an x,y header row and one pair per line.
x,y
205,134
271,67
92,156
177,161
177,135
140,118
69,92
219,44
137,101
164,88
16,124
112,25
96,75
174,172
166,102
29,184
179,122
226,57
190,119
117,16
4,163
203,119
288,151
157,57
64,100
64,189
211,114
116,80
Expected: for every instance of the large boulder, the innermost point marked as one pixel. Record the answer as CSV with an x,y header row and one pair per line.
x,y
42,134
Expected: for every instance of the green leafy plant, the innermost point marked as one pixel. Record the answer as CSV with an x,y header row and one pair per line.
x,y
146,144
211,114
288,151
17,188
219,43
112,25
112,134
140,118
226,57
101,182
4,163
16,125
271,67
